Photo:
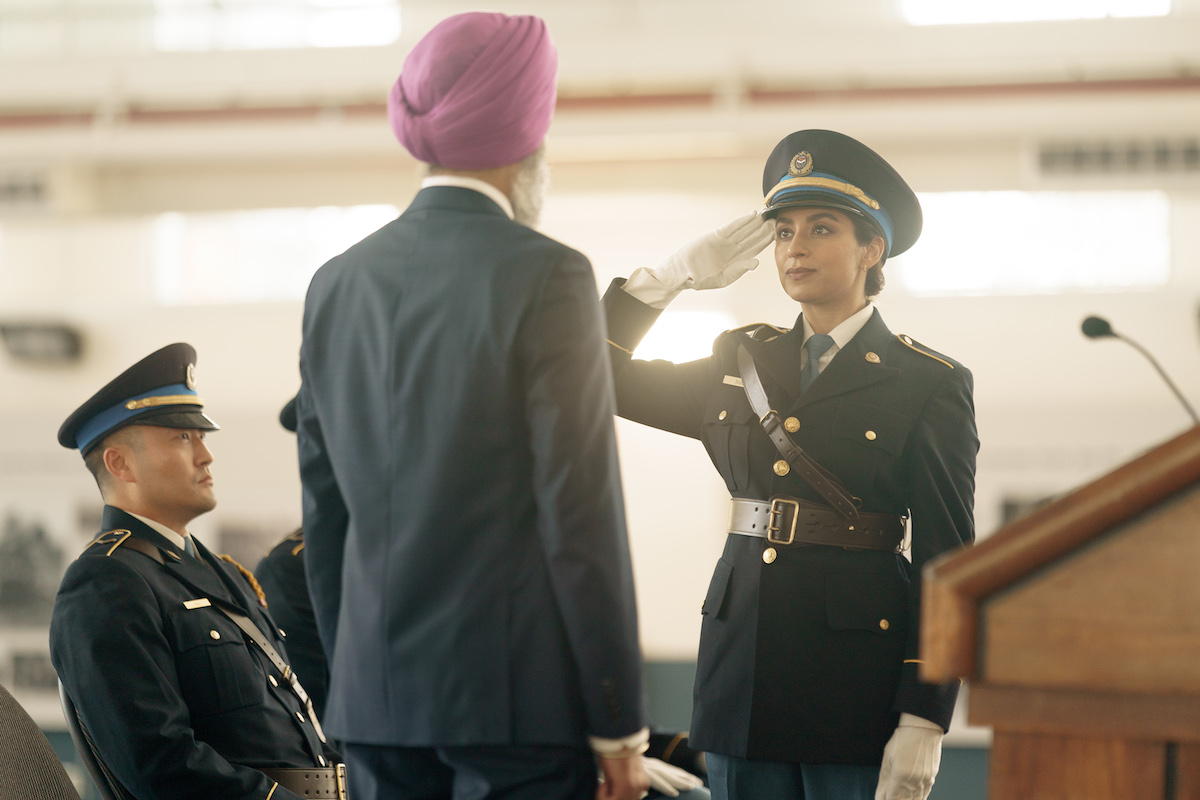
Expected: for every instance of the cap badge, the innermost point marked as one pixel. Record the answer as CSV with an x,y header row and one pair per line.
x,y
802,164
190,380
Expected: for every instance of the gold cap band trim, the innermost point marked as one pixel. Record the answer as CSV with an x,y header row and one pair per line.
x,y
165,400
823,183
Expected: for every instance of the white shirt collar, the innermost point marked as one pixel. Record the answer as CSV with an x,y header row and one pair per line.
x,y
483,187
847,329
171,536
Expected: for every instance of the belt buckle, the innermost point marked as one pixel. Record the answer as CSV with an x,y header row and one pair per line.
x,y
775,513
339,776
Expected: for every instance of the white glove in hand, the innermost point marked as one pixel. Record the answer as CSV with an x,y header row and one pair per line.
x,y
668,778
910,760
713,261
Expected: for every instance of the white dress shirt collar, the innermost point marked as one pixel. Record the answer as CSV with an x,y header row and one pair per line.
x,y
171,536
841,335
483,187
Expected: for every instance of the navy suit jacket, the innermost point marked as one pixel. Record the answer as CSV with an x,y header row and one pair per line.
x,y
177,699
464,525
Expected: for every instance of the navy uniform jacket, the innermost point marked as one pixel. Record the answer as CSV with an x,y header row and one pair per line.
x,y
178,701
810,659
281,576
463,519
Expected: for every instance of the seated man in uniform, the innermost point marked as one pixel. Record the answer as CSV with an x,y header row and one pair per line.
x,y
176,670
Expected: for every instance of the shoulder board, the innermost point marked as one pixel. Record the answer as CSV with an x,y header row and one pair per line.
x,y
760,331
919,348
298,537
109,541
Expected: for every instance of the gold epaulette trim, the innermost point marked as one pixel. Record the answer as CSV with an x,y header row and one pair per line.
x,y
250,579
622,349
121,537
909,343
113,537
296,550
754,327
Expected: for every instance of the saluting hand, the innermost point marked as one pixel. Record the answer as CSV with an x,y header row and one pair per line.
x,y
910,760
713,261
622,779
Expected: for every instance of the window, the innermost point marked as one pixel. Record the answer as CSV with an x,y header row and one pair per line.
x,y
1038,243
958,12
268,24
268,255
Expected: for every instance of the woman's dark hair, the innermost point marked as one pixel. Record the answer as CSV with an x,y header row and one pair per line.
x,y
865,230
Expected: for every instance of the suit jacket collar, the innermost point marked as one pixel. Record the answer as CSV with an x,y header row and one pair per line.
x,y
453,198
212,581
849,369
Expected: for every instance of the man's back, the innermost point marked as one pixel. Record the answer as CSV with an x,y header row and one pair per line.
x,y
457,447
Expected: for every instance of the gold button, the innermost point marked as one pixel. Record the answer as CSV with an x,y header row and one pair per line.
x,y
870,436
321,759
883,623
274,682
906,340
782,467
769,555
281,633
299,716
791,424
723,415
874,359
214,634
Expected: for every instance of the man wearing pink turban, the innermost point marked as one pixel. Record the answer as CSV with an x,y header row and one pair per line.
x,y
465,538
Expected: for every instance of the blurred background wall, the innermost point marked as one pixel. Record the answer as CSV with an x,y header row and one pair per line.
x,y
175,170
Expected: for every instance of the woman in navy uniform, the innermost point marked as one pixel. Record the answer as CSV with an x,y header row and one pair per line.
x,y
807,678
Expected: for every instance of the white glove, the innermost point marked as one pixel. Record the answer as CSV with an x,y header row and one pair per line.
x,y
910,760
668,778
713,261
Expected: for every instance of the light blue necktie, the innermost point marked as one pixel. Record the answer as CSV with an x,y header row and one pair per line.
x,y
816,345
189,547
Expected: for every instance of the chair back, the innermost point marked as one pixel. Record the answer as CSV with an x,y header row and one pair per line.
x,y
106,783
29,767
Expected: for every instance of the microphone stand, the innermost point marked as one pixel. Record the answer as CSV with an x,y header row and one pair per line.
x,y
1157,366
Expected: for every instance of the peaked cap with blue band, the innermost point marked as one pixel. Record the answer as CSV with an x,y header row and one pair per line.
x,y
826,169
159,390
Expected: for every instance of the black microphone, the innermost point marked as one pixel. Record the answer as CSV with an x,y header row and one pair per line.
x,y
1099,328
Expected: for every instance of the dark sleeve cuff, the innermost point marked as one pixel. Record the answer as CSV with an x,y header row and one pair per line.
x,y
628,318
933,701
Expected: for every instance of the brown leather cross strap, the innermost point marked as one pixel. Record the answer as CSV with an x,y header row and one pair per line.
x,y
825,482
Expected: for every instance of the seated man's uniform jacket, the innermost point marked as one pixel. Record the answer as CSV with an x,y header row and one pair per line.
x,y
281,575
810,658
179,703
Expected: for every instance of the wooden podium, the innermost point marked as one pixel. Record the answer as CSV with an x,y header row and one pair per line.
x,y
1079,629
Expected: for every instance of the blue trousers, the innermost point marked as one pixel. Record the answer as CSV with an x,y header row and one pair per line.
x,y
733,778
469,773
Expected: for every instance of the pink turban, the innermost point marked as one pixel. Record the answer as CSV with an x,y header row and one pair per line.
x,y
477,92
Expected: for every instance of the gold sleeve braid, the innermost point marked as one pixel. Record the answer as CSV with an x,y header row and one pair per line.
x,y
250,579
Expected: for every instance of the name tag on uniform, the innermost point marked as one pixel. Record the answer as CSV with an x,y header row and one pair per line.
x,y
733,380
201,603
